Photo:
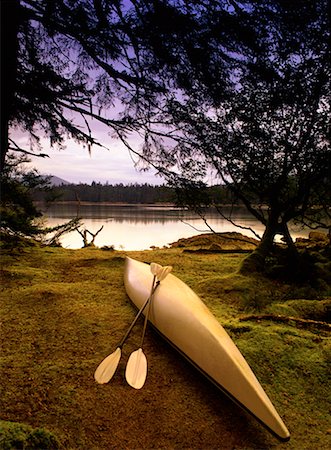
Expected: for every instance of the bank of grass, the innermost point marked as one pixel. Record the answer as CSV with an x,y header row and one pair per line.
x,y
63,311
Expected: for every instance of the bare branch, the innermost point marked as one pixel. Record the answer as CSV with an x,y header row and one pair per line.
x,y
237,225
14,147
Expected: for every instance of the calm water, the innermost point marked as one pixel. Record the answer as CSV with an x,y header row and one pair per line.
x,y
140,227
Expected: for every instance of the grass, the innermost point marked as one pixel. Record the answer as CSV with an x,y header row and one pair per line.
x,y
63,311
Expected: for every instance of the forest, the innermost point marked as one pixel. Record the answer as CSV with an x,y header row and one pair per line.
x,y
124,193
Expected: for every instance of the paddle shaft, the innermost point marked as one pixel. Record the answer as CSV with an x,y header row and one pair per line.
x,y
153,289
147,313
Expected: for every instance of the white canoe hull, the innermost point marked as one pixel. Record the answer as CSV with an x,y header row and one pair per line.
x,y
183,319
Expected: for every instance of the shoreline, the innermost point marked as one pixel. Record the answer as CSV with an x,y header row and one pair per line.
x,y
80,203
147,205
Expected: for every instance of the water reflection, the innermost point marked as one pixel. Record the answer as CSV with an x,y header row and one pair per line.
x,y
100,211
140,227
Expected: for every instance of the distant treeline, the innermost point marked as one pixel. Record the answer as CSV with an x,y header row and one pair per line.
x,y
120,193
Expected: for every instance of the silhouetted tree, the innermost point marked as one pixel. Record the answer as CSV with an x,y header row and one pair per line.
x,y
18,213
63,64
67,62
19,217
118,63
252,106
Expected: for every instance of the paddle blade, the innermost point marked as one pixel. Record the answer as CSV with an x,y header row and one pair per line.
x,y
136,369
107,367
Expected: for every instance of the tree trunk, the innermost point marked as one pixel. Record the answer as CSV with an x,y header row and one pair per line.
x,y
10,20
255,262
293,254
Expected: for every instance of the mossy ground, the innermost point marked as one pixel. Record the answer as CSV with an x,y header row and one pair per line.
x,y
63,311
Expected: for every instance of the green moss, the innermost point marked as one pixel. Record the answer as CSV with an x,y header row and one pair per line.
x,y
304,308
249,293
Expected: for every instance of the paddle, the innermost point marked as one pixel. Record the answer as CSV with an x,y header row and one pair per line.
x,y
136,369
108,366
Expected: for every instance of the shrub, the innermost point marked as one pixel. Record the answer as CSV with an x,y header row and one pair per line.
x,y
14,435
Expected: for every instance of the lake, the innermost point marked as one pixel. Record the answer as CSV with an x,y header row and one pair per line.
x,y
141,227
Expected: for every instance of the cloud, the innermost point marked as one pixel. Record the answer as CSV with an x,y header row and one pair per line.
x,y
75,164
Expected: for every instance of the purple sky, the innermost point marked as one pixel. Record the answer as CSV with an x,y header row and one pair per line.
x,y
75,164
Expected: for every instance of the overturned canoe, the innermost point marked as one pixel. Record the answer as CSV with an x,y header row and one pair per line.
x,y
183,319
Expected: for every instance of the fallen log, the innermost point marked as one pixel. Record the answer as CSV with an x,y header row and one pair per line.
x,y
287,319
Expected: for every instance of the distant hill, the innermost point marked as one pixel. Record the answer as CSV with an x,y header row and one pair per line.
x,y
56,181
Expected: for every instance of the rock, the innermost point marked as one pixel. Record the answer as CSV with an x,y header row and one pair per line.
x,y
318,236
218,242
301,239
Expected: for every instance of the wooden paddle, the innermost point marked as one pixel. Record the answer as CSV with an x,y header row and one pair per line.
x,y
108,366
136,369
